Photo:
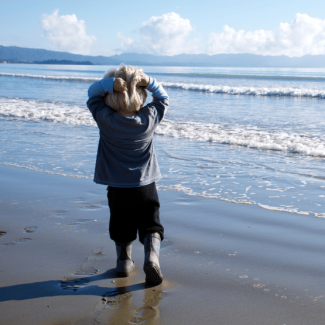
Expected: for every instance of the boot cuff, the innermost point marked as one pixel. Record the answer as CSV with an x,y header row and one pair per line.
x,y
154,234
123,244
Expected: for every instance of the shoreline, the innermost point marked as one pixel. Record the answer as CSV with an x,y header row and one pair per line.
x,y
185,192
222,263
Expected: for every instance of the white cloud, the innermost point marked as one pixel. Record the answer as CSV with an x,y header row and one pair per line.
x,y
164,35
303,35
67,33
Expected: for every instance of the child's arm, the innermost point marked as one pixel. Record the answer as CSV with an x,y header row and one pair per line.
x,y
160,96
99,89
157,90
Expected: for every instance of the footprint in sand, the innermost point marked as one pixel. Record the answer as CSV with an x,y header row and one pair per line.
x,y
80,221
20,240
89,267
98,206
59,214
30,229
114,297
74,284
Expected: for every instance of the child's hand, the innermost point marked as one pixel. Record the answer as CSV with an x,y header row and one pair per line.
x,y
144,82
120,85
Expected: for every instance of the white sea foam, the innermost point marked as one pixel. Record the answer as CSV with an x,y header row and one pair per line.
x,y
252,91
185,190
63,78
282,209
190,192
220,89
251,138
38,110
36,169
292,210
194,131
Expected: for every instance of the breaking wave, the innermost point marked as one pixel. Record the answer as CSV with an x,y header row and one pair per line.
x,y
59,78
220,89
244,136
251,91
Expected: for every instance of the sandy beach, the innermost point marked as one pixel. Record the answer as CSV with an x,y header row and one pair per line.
x,y
223,263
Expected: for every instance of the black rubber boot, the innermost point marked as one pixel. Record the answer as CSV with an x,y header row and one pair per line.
x,y
124,264
151,265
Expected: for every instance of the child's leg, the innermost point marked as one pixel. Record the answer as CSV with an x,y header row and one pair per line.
x,y
148,208
151,232
122,228
122,223
132,209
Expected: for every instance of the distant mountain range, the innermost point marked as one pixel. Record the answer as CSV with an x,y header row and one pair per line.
x,y
15,54
27,55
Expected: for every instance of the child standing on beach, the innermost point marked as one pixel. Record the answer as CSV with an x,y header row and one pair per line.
x,y
127,163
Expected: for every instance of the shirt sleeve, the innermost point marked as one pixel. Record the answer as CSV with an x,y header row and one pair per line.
x,y
101,87
96,93
160,98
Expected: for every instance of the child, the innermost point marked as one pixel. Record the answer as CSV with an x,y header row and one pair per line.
x,y
127,163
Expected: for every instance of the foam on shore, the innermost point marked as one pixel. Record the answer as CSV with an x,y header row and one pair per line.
x,y
244,136
219,89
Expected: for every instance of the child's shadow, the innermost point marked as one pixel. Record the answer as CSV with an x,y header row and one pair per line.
x,y
78,286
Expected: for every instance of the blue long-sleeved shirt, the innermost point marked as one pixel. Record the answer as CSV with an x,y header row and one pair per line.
x,y
126,155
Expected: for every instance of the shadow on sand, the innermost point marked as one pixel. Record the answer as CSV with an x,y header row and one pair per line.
x,y
53,288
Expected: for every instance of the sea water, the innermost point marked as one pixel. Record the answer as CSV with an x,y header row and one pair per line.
x,y
242,135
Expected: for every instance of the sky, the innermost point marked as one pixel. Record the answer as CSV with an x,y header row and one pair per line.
x,y
169,27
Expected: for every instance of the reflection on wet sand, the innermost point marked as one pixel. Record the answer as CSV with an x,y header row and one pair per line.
x,y
149,313
120,309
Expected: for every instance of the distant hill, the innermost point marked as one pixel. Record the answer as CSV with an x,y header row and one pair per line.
x,y
27,55
64,62
224,60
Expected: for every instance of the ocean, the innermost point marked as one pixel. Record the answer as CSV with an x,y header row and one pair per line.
x,y
243,135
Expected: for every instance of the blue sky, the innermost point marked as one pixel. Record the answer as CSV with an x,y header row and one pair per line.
x,y
167,27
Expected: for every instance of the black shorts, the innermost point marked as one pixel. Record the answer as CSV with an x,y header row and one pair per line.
x,y
133,210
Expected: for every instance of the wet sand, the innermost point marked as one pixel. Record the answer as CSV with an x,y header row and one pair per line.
x,y
223,263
